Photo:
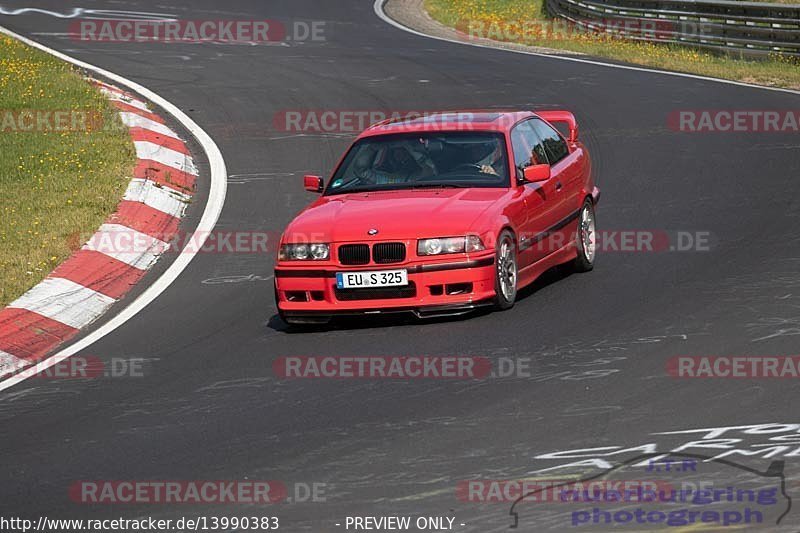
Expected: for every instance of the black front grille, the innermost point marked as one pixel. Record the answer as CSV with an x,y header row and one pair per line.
x,y
389,252
377,293
354,254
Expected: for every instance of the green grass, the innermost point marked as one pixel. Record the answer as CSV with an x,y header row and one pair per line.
x,y
494,15
54,186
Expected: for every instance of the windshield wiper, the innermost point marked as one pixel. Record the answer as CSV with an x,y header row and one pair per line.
x,y
397,188
440,186
358,189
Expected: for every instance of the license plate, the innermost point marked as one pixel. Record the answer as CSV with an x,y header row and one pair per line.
x,y
379,278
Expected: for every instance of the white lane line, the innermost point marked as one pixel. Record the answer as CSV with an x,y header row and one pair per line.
x,y
216,200
381,13
134,120
125,244
165,200
64,301
10,363
165,156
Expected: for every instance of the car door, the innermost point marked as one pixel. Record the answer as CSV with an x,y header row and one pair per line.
x,y
538,199
567,176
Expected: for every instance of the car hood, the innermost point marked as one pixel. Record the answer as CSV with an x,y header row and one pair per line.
x,y
401,215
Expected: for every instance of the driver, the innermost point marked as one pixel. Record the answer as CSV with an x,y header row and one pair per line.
x,y
488,162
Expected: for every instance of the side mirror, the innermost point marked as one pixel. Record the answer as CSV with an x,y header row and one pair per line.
x,y
536,173
313,183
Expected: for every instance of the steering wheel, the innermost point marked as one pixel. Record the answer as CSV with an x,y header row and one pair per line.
x,y
468,166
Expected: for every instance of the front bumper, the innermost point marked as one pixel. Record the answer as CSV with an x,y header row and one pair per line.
x,y
435,289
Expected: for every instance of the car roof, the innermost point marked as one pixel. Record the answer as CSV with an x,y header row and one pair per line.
x,y
448,121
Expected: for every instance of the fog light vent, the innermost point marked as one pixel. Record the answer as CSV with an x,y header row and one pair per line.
x,y
455,289
296,296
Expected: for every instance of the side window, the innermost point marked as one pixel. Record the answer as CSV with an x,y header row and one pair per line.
x,y
520,147
528,149
554,145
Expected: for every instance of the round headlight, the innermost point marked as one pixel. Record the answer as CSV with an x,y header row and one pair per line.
x,y
433,246
300,251
319,251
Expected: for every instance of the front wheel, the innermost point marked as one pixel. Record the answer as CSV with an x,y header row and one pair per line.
x,y
586,238
506,273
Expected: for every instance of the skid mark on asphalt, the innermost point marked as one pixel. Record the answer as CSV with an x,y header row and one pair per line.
x,y
90,14
766,302
32,398
782,332
103,51
582,411
222,280
772,146
312,136
241,179
244,383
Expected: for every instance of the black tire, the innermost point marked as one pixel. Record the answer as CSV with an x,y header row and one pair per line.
x,y
504,299
584,262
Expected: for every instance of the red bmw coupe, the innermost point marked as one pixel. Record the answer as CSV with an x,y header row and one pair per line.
x,y
439,215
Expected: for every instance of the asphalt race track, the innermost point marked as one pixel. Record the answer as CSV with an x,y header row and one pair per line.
x,y
209,405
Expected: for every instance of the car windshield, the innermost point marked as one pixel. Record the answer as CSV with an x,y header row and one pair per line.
x,y
423,160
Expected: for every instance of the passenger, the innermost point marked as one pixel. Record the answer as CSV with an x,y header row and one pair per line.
x,y
365,172
406,164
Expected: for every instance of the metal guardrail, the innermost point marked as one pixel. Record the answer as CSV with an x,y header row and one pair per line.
x,y
739,28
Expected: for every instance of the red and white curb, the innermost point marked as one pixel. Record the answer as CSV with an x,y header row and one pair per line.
x,y
82,288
